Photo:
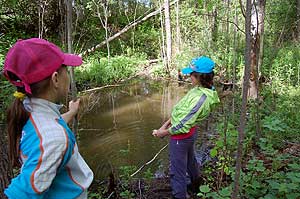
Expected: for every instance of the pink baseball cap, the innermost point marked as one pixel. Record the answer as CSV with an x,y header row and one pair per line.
x,y
33,60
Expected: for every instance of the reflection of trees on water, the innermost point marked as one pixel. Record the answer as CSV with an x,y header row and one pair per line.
x,y
112,102
170,96
124,122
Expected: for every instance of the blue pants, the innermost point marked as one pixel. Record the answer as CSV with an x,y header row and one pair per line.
x,y
183,161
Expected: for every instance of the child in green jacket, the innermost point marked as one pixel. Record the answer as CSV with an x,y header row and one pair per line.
x,y
186,115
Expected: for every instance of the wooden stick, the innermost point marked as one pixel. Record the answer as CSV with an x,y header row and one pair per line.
x,y
98,88
149,162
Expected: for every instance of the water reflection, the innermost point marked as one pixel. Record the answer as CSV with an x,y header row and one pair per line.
x,y
123,120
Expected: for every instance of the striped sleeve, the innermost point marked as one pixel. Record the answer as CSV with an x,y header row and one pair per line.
x,y
190,117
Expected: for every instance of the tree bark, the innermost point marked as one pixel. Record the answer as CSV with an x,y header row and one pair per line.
x,y
168,34
214,31
257,21
5,167
242,126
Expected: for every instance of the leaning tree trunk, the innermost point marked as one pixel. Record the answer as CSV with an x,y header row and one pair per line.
x,y
168,33
242,126
257,21
5,167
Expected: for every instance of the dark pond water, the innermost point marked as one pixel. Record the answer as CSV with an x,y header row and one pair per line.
x,y
117,131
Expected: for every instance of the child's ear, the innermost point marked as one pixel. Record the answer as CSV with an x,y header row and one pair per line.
x,y
54,78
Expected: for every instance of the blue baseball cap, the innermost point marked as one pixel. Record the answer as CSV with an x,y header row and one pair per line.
x,y
200,65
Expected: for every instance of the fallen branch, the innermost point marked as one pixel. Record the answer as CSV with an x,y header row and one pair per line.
x,y
125,29
149,162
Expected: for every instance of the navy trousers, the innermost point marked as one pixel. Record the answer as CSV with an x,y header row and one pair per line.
x,y
183,162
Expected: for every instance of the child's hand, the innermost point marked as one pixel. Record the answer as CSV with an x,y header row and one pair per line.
x,y
160,133
74,106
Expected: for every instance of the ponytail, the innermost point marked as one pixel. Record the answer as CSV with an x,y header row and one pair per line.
x,y
17,117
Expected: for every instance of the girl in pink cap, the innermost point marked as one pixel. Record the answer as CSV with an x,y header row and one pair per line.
x,y
40,140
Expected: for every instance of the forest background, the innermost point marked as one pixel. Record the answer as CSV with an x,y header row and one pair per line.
x,y
119,38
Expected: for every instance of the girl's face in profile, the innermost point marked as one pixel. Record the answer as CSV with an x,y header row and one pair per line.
x,y
194,79
64,81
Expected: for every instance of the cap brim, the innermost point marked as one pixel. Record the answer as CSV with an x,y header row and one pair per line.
x,y
187,70
72,60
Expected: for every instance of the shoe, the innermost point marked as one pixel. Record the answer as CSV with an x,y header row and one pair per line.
x,y
194,186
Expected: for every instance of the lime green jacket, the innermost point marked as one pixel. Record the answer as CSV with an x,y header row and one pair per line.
x,y
192,109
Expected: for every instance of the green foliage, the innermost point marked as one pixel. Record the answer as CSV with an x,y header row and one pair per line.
x,y
6,97
127,194
282,66
263,182
280,110
99,71
94,196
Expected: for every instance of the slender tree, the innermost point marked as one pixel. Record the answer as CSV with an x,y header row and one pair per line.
x,y
104,22
241,129
177,28
298,20
70,50
168,33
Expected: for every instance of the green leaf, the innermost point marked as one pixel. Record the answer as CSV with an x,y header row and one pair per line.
x,y
213,152
292,195
225,192
204,188
219,143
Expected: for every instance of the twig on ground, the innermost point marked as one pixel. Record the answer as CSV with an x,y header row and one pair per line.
x,y
140,189
110,195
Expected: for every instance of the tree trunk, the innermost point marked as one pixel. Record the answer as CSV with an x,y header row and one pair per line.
x,y
41,11
105,25
214,31
241,128
177,28
298,20
5,167
235,47
168,33
70,50
163,46
257,20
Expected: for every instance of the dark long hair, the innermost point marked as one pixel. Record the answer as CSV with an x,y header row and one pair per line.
x,y
17,117
205,79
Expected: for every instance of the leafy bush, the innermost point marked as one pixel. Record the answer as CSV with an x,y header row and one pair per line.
x,y
99,71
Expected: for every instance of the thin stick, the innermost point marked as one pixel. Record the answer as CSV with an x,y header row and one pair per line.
x,y
110,195
140,189
98,88
149,162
